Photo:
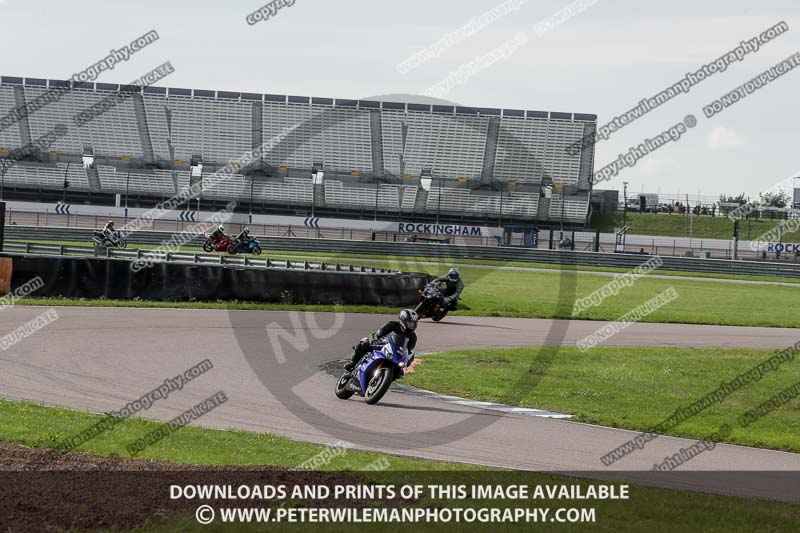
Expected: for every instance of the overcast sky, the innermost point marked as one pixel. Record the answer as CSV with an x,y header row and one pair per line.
x,y
602,61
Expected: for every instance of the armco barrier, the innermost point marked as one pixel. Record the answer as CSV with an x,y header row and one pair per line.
x,y
327,246
91,277
146,257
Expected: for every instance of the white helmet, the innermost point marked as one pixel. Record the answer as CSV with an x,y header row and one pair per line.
x,y
408,320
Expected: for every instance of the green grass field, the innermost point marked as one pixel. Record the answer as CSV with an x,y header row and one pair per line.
x,y
648,508
675,225
632,388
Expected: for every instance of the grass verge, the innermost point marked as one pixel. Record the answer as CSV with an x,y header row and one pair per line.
x,y
647,509
626,387
675,225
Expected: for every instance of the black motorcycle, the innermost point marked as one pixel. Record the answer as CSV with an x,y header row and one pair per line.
x,y
432,304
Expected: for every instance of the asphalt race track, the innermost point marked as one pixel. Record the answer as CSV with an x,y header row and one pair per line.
x,y
99,359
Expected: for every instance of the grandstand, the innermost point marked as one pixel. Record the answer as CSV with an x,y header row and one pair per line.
x,y
404,159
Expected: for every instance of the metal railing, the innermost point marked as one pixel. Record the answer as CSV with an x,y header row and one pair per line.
x,y
329,247
185,257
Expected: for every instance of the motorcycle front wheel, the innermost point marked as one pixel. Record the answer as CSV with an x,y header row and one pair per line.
x,y
232,248
378,386
257,251
342,392
122,244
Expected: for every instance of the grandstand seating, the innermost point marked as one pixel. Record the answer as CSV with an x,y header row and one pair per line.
x,y
574,206
9,137
337,137
237,187
219,130
168,127
531,149
114,133
45,176
116,180
409,198
451,145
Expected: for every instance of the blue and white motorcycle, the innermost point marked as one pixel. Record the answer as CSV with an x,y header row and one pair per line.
x,y
376,371
248,245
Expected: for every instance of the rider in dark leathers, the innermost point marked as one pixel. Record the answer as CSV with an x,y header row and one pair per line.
x,y
405,325
453,287
218,233
243,235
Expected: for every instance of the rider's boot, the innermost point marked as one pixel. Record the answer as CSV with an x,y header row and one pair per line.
x,y
358,353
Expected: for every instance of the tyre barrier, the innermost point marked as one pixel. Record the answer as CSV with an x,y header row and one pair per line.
x,y
90,277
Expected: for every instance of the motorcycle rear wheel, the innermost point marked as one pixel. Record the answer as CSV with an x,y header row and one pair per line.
x,y
207,247
378,386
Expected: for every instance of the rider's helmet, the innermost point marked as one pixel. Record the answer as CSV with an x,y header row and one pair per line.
x,y
453,274
408,320
221,229
246,230
111,223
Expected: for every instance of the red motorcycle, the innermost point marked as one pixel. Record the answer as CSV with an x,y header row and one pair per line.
x,y
217,244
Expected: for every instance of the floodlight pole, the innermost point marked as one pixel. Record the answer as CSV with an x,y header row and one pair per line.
x,y
377,188
625,203
438,200
3,179
64,196
127,189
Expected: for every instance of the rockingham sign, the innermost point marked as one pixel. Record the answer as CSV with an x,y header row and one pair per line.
x,y
443,229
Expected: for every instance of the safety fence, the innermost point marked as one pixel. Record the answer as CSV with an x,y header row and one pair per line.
x,y
329,247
